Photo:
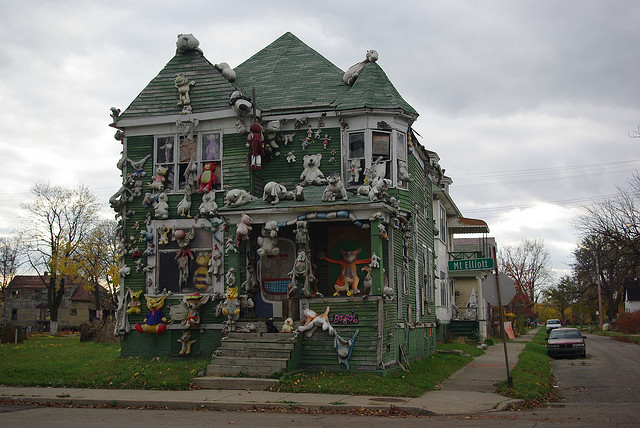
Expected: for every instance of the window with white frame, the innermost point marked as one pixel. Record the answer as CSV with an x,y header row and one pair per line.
x,y
174,153
443,224
444,290
377,150
183,269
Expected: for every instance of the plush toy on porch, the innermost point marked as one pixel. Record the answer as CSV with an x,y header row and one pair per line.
x,y
349,275
243,228
268,242
287,327
155,320
230,307
184,254
134,304
188,311
186,343
311,175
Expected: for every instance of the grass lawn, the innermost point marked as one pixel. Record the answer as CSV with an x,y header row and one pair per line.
x,y
532,379
67,362
424,375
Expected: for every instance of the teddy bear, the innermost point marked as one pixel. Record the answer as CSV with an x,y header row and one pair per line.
x,y
159,179
354,71
186,43
311,173
379,190
273,192
268,243
291,157
354,170
215,264
302,234
237,197
273,127
183,85
161,208
208,205
226,71
244,227
163,234
335,188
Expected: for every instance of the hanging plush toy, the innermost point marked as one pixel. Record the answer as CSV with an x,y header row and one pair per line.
x,y
207,178
348,277
255,142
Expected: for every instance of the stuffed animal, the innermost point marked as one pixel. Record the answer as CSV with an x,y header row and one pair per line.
x,y
163,234
201,279
161,208
268,245
354,71
231,307
287,327
302,234
241,104
186,43
335,188
349,273
403,172
134,304
354,170
237,197
208,205
271,328
159,179
155,320
215,264
183,85
226,71
186,343
273,127
273,192
184,206
207,178
188,311
311,173
244,227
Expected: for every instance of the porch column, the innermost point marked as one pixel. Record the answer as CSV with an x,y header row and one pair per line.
x,y
377,274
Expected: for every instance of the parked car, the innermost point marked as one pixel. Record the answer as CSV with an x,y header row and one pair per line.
x,y
553,323
566,342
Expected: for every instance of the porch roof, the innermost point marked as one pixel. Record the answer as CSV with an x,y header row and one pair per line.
x,y
467,225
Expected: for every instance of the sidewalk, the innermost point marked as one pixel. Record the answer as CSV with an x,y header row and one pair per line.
x,y
470,390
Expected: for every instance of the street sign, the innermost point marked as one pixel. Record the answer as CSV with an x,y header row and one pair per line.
x,y
490,290
470,264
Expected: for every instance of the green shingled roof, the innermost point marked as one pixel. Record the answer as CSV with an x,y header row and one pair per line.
x,y
373,89
288,74
160,97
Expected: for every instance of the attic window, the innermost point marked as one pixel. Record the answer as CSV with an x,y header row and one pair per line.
x,y
175,152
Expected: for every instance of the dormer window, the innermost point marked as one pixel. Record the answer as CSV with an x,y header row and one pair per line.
x,y
174,153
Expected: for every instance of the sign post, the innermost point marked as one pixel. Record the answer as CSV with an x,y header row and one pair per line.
x,y
504,336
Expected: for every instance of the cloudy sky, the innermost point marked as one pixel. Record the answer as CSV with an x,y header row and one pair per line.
x,y
528,103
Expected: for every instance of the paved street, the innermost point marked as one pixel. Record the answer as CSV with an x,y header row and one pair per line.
x,y
599,391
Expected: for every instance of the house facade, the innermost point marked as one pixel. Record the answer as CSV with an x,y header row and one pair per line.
x,y
283,188
25,304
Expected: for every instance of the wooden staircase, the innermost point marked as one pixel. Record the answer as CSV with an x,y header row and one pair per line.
x,y
256,356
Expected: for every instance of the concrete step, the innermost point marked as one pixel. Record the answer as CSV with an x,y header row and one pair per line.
x,y
240,383
242,370
253,353
278,363
264,337
244,345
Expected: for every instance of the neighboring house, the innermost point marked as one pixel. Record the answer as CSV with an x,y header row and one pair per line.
x,y
222,213
25,304
472,310
632,294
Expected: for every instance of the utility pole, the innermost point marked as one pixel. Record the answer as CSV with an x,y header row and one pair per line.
x,y
599,282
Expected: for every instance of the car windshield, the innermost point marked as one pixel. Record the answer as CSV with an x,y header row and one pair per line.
x,y
565,334
553,322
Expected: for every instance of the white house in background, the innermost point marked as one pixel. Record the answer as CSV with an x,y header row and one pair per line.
x,y
632,294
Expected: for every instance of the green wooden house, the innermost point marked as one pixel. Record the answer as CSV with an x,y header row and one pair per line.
x,y
297,187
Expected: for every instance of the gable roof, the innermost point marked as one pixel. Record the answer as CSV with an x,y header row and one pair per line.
x,y
27,282
373,89
288,74
160,97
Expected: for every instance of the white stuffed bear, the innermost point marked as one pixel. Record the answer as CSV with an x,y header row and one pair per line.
x,y
226,71
268,243
237,197
273,192
311,173
186,43
208,205
241,104
335,188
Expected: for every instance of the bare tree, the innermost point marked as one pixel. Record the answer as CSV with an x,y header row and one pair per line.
x,y
528,265
58,219
11,248
97,260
